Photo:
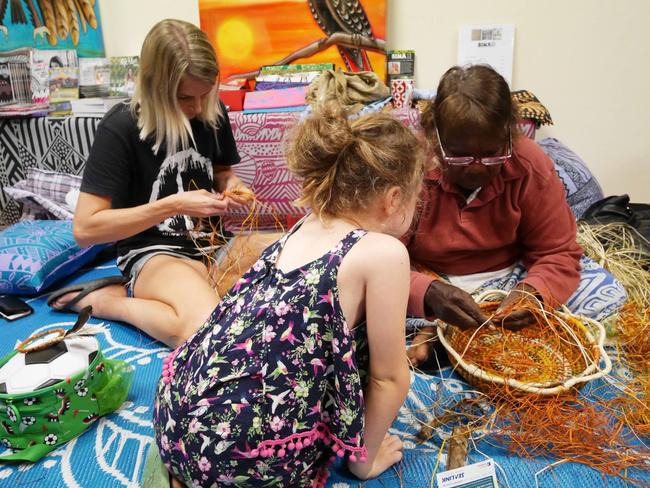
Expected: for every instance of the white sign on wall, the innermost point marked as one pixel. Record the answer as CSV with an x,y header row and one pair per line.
x,y
492,44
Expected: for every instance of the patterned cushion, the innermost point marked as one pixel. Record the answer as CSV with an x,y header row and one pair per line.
x,y
581,186
43,194
37,207
34,254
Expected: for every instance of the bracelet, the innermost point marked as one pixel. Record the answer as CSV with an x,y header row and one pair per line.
x,y
23,346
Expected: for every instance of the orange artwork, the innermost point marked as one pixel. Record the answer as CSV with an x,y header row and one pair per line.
x,y
249,34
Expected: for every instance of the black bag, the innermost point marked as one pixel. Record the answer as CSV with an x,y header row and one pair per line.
x,y
618,209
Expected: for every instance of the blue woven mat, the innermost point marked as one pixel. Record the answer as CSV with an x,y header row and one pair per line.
x,y
418,466
113,451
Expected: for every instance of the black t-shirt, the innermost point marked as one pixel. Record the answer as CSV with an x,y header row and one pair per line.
x,y
125,168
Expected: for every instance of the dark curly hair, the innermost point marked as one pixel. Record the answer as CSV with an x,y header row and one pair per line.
x,y
470,100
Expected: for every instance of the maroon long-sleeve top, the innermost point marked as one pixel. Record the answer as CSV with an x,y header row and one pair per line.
x,y
521,214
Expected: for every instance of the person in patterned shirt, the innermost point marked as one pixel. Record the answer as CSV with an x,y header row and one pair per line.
x,y
304,360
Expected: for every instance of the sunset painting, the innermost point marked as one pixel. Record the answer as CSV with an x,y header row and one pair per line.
x,y
249,34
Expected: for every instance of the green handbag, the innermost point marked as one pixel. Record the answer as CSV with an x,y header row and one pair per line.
x,y
61,405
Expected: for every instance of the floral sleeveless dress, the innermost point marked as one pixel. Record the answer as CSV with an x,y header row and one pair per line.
x,y
270,390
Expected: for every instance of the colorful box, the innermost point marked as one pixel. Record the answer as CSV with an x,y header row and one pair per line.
x,y
233,99
266,99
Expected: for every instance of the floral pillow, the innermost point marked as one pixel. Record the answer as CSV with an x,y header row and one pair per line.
x,y
36,253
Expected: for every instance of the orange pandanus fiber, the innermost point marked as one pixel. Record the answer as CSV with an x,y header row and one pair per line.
x,y
255,207
620,249
607,426
634,347
226,268
601,429
568,427
545,354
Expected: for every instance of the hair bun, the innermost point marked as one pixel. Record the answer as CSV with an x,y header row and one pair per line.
x,y
331,122
319,141
344,164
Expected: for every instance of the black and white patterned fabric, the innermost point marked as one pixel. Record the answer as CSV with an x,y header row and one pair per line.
x,y
46,194
57,144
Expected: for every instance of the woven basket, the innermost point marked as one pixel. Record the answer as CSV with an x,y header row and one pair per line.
x,y
530,360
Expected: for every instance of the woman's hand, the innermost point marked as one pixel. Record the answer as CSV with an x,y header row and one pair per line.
x,y
199,203
514,312
239,196
452,305
389,453
227,183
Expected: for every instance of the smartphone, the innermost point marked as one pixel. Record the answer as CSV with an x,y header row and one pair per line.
x,y
13,308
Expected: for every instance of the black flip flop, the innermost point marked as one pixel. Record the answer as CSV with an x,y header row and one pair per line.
x,y
84,290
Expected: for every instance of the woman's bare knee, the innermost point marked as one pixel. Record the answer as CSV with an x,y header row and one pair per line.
x,y
184,328
177,339
200,268
162,268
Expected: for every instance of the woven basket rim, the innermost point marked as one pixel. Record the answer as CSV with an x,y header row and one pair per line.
x,y
593,371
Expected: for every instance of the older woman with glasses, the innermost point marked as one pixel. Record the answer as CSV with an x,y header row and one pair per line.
x,y
494,212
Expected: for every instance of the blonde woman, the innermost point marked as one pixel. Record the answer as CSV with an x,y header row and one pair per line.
x,y
157,165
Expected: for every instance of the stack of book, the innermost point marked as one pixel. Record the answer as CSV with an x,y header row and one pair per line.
x,y
55,82
14,82
103,83
94,77
289,75
55,75
283,88
18,86
64,88
94,107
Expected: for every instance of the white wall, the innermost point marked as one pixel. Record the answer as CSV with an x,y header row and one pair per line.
x,y
588,61
126,22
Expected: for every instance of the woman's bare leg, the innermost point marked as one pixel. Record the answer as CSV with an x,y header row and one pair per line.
x,y
173,299
242,254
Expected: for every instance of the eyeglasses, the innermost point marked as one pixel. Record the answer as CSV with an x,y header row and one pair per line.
x,y
467,160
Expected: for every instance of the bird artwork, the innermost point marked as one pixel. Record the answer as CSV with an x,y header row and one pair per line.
x,y
54,19
347,16
18,16
344,32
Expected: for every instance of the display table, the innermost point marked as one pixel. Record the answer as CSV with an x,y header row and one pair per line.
x,y
63,144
